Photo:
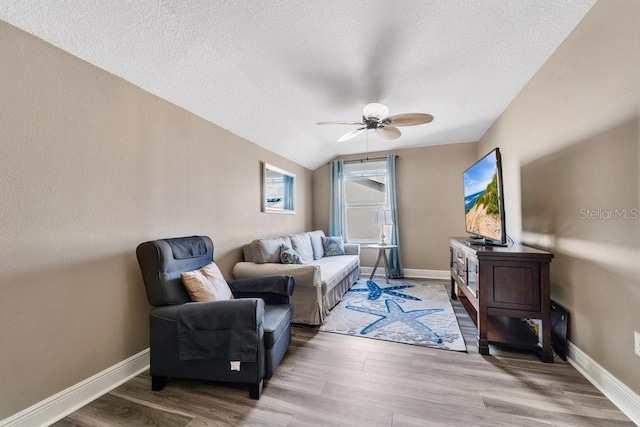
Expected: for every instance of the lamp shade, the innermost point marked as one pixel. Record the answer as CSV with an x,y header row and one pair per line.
x,y
384,217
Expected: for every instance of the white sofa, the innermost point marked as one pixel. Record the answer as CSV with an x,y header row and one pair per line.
x,y
320,281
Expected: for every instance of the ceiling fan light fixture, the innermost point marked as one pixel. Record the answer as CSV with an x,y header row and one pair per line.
x,y
375,110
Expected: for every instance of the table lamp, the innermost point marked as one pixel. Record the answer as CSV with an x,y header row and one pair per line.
x,y
382,218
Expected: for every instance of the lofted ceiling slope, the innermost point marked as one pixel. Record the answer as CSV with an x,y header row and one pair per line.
x,y
268,71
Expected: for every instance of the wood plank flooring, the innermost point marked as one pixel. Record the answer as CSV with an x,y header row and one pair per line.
x,y
331,379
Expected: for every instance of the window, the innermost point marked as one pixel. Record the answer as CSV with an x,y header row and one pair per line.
x,y
365,191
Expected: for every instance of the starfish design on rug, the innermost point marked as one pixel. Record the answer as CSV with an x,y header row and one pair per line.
x,y
375,291
395,313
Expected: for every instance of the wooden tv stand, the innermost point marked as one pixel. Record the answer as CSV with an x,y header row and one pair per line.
x,y
499,287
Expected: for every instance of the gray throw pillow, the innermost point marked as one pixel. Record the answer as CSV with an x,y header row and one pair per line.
x,y
333,246
289,256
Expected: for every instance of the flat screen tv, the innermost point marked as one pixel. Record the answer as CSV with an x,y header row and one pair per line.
x,y
484,202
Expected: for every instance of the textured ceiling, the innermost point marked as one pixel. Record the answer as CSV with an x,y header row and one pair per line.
x,y
268,71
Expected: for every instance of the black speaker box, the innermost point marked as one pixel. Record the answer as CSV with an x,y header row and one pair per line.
x,y
559,329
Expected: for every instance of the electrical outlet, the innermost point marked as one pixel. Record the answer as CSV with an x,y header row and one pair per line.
x,y
636,340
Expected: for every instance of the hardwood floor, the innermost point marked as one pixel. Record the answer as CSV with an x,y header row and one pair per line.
x,y
331,379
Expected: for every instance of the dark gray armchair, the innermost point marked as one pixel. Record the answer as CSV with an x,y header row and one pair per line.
x,y
241,340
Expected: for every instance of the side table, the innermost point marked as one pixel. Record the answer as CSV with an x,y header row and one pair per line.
x,y
382,254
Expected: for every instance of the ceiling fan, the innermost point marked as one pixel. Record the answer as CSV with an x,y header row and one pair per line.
x,y
375,117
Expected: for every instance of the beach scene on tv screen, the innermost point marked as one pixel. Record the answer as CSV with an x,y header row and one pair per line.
x,y
481,198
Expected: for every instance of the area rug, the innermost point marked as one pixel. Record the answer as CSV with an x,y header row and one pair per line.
x,y
402,312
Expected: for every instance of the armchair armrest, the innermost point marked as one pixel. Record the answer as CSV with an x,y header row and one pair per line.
x,y
274,289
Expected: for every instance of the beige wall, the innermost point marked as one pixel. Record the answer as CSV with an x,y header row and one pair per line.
x,y
91,166
430,201
570,143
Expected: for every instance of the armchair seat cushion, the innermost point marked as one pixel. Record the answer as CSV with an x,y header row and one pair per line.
x,y
276,322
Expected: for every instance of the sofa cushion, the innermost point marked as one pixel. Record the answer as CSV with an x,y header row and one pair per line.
x,y
301,243
246,252
270,248
334,269
206,284
333,246
254,252
316,243
289,255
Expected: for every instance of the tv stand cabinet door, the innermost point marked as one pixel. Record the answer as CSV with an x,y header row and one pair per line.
x,y
513,288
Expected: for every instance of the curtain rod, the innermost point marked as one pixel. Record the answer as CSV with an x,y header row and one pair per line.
x,y
372,159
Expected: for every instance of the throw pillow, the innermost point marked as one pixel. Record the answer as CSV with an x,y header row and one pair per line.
x,y
289,256
206,284
333,246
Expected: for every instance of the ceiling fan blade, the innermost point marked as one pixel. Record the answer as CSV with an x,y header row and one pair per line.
x,y
338,122
410,119
389,132
375,109
351,134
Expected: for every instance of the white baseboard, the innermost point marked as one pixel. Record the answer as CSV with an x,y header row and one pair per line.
x,y
427,274
61,404
618,393
412,273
